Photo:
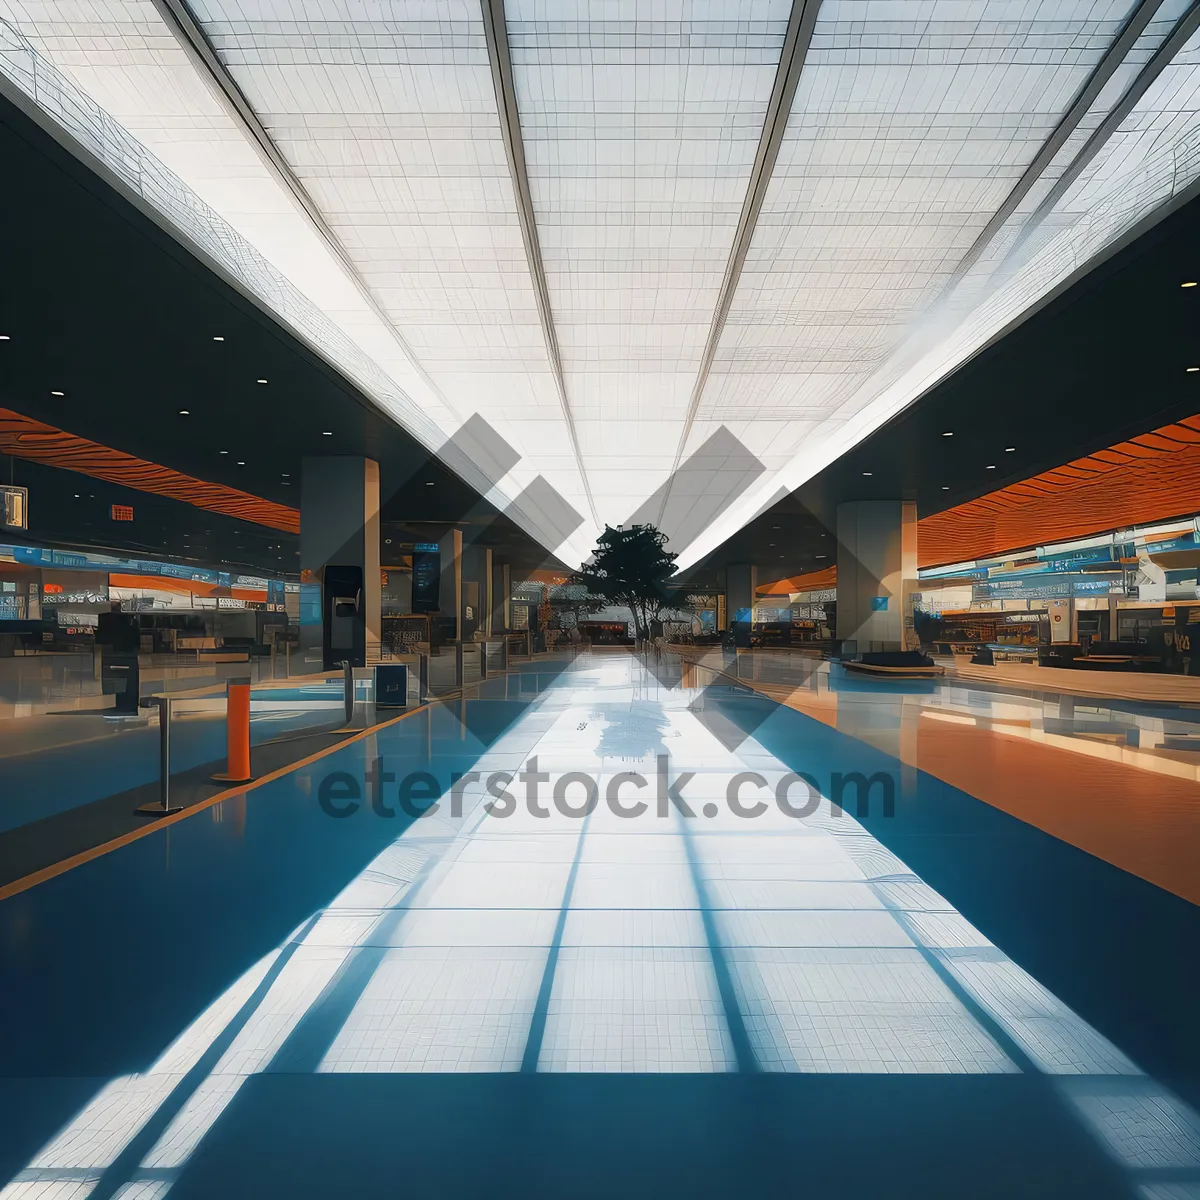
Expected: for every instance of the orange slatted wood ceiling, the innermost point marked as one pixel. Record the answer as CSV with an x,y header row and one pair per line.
x,y
23,437
1150,478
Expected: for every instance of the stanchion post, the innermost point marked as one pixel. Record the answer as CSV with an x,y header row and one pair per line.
x,y
423,678
483,660
348,685
459,664
164,751
237,732
504,652
164,807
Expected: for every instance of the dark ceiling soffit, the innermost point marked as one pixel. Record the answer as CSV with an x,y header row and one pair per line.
x,y
178,236
499,55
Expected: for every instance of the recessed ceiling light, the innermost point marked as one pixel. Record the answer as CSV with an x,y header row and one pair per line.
x,y
183,412
1190,370
430,483
260,381
76,495
240,464
58,393
327,433
820,555
286,475
945,487
218,338
224,451
1009,449
991,466
5,338
774,526
1189,283
948,433
867,473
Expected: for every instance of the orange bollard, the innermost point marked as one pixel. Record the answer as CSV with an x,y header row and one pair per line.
x,y
237,706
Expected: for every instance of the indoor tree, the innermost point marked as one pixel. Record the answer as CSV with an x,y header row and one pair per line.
x,y
631,566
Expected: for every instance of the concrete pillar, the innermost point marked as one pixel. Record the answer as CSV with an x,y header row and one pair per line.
x,y
876,574
741,585
450,591
474,591
489,591
501,594
339,550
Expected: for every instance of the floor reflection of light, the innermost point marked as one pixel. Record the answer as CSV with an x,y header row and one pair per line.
x,y
608,941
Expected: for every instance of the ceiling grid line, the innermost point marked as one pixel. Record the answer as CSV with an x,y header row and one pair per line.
x,y
1113,59
1185,28
801,22
500,57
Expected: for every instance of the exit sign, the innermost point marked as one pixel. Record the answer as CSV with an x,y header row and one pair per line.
x,y
122,512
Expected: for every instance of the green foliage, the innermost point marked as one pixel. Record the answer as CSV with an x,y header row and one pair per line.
x,y
631,566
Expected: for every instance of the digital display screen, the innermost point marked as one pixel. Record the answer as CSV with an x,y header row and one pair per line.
x,y
427,580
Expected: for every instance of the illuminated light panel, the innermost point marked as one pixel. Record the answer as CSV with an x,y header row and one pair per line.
x,y
400,148
640,135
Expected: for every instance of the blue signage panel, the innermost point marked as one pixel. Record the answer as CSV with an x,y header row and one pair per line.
x,y
1187,542
1091,587
1080,558
1020,589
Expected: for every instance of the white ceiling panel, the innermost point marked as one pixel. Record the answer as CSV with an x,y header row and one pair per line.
x,y
940,167
640,123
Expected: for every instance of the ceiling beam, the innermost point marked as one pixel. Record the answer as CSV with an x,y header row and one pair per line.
x,y
495,28
801,22
1104,70
1185,28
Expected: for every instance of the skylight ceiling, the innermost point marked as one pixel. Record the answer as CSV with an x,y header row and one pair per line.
x,y
615,229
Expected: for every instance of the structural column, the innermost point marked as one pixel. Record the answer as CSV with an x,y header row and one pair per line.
x,y
501,594
741,586
876,574
450,591
339,553
488,601
476,562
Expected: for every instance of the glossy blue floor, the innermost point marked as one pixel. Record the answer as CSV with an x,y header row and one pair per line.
x,y
591,934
